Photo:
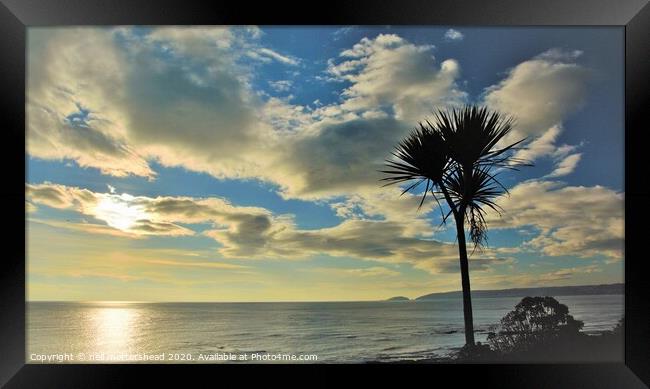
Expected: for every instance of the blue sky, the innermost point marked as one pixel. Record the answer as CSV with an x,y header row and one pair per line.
x,y
240,164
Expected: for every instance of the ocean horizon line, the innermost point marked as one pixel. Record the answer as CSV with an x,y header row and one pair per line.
x,y
387,299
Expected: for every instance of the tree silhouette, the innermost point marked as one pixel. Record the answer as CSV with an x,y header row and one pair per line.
x,y
456,155
535,322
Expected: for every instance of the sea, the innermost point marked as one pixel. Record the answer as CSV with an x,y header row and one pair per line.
x,y
269,332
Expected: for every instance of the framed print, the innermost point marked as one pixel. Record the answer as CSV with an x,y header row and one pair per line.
x,y
449,189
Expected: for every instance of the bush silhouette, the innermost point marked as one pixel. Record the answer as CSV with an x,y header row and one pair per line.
x,y
478,352
535,324
618,330
540,329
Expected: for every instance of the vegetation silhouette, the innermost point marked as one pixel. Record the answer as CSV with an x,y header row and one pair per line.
x,y
534,321
456,155
540,329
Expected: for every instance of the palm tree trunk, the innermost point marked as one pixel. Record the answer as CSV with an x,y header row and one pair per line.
x,y
459,218
464,275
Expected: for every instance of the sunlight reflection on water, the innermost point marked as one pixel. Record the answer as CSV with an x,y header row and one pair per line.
x,y
113,328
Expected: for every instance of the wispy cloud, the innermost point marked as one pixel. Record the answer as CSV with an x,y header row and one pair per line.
x,y
454,35
281,85
566,165
341,32
190,264
274,55
365,272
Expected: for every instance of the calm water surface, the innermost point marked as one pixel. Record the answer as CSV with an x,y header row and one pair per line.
x,y
334,331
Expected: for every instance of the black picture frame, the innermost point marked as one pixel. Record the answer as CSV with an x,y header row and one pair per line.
x,y
632,15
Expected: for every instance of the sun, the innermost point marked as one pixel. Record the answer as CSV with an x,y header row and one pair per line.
x,y
119,211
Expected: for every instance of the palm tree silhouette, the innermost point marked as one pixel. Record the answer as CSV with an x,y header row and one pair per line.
x,y
457,157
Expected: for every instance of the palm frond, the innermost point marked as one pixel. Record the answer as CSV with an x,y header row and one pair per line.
x,y
472,133
459,152
473,194
421,156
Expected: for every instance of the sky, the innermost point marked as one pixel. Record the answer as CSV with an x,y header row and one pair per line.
x,y
242,163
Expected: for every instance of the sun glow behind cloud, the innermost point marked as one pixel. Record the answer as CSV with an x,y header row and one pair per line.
x,y
119,211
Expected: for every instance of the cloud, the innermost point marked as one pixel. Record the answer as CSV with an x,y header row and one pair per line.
x,y
341,146
338,34
365,272
390,72
565,276
186,110
148,227
209,265
454,35
281,85
30,208
382,241
122,212
121,99
571,220
100,258
560,55
566,165
270,54
339,158
542,146
253,232
389,204
196,108
195,41
568,273
545,147
85,227
60,196
182,122
375,271
69,70
540,92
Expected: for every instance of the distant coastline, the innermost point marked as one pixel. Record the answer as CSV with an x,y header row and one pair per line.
x,y
576,290
399,298
537,291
